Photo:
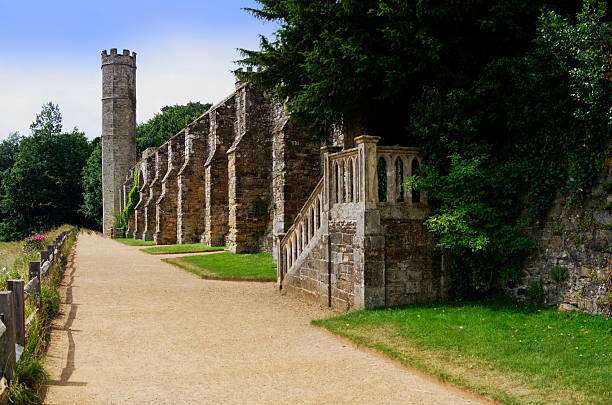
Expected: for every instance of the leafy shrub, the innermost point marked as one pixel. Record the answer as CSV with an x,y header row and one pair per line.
x,y
559,274
50,301
119,224
535,291
35,243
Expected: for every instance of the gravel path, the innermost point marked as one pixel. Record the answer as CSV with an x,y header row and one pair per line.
x,y
135,330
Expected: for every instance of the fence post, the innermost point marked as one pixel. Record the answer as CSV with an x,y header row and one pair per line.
x,y
35,272
44,256
7,340
16,287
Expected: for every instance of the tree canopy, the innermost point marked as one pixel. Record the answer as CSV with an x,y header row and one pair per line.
x,y
510,102
43,187
166,124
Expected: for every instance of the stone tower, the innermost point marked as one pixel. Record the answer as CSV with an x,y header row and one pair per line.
x,y
118,128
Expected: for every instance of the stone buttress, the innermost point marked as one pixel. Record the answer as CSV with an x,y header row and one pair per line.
x,y
166,213
155,190
249,170
222,119
191,183
146,171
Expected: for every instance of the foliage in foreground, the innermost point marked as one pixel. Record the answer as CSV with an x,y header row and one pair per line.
x,y
30,377
513,354
185,248
229,265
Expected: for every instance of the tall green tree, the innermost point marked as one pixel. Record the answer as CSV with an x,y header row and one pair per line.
x,y
509,101
43,187
362,64
166,124
92,186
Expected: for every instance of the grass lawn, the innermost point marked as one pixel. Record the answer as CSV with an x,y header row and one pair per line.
x,y
258,266
186,248
135,242
508,353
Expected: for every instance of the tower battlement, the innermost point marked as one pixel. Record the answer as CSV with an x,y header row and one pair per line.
x,y
114,58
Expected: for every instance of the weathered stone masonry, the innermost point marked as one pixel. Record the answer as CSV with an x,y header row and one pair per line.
x,y
155,190
166,206
118,128
191,184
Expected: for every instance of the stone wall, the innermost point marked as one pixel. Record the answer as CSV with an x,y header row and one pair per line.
x,y
166,210
296,169
343,272
222,119
575,241
146,172
191,184
249,171
155,189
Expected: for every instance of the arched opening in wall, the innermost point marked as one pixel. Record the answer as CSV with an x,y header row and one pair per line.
x,y
351,177
381,169
416,168
356,180
341,186
140,178
318,209
313,226
399,179
336,182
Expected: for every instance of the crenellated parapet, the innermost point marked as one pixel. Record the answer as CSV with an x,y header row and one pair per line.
x,y
166,207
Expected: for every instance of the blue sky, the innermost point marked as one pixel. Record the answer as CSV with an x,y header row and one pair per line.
x,y
50,51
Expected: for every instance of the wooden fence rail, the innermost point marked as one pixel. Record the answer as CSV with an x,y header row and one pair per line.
x,y
13,324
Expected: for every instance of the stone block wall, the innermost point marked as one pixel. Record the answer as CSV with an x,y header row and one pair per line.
x,y
249,171
166,210
296,169
222,119
146,171
343,271
412,273
118,128
191,183
155,188
575,240
311,279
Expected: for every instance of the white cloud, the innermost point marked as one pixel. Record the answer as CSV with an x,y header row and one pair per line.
x,y
170,72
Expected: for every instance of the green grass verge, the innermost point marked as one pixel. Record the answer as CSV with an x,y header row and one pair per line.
x,y
258,266
509,353
29,377
135,242
186,248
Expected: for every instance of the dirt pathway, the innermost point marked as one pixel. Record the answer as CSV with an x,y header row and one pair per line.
x,y
135,330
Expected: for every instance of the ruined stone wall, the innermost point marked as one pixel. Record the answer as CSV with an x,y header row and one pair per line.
x,y
413,272
222,119
249,172
146,172
118,129
191,183
343,271
155,189
311,281
296,171
166,211
576,243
